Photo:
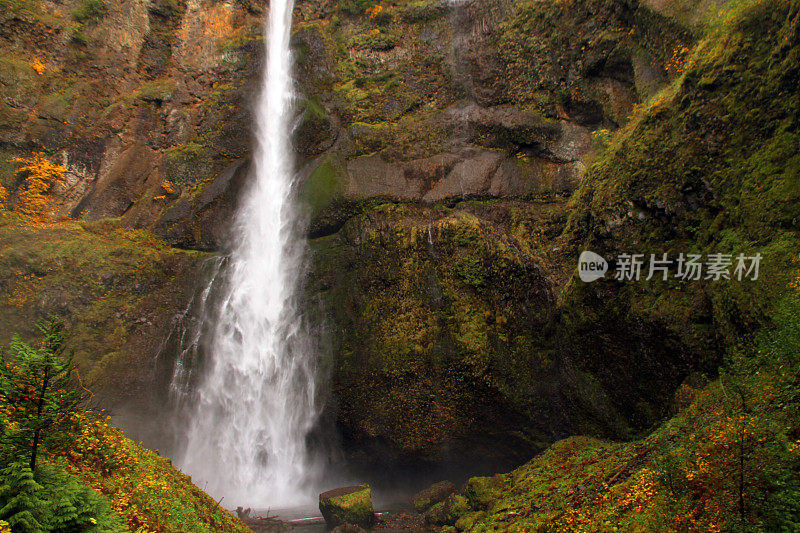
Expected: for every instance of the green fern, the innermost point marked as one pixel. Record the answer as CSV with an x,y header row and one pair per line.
x,y
53,501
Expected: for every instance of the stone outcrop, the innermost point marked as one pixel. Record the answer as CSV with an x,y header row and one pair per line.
x,y
427,498
347,505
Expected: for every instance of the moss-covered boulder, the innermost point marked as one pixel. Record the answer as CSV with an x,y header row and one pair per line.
x,y
479,490
347,505
447,512
434,494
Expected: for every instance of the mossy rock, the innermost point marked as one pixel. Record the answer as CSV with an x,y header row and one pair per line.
x,y
481,491
434,494
447,512
380,42
468,521
347,505
323,185
423,11
156,91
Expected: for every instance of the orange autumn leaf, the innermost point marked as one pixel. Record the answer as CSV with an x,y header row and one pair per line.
x,y
42,176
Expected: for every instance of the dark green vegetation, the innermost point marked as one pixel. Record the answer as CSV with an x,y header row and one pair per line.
x,y
712,164
37,385
63,470
443,311
728,461
52,500
556,49
38,403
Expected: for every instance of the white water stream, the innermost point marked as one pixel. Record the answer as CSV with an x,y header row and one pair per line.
x,y
249,412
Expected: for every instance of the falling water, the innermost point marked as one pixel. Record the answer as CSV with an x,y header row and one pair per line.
x,y
252,406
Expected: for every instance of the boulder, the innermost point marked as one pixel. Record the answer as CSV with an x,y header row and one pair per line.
x,y
347,505
447,512
434,494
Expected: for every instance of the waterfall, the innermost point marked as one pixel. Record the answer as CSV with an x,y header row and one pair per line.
x,y
252,403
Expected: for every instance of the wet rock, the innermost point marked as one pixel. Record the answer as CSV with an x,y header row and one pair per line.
x,y
347,505
434,494
202,223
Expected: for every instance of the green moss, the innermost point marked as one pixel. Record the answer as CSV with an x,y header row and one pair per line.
x,y
185,153
351,508
370,138
415,135
658,166
422,11
99,276
355,7
453,508
240,41
653,483
189,162
156,90
18,82
89,11
381,42
468,520
432,303
322,186
369,92
551,51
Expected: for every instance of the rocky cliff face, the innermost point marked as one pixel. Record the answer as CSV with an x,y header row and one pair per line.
x,y
438,144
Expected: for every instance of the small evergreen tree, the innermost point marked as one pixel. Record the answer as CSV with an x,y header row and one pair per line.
x,y
36,387
37,401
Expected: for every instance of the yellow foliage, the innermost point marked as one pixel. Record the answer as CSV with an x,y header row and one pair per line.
x,y
373,11
143,488
37,65
796,283
42,176
167,186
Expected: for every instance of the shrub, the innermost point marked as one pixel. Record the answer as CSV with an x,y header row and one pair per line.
x,y
52,500
42,176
